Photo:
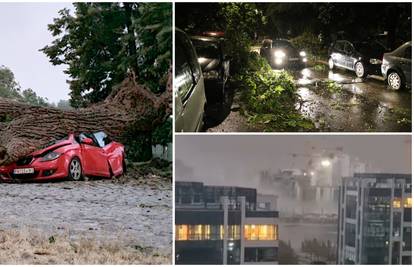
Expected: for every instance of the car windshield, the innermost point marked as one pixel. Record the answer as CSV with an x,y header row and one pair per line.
x,y
368,47
281,44
206,49
101,138
56,141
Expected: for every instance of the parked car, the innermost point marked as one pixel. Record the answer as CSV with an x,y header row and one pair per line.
x,y
362,57
214,63
86,154
280,53
189,91
396,67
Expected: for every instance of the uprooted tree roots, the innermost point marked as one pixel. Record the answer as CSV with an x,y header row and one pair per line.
x,y
25,128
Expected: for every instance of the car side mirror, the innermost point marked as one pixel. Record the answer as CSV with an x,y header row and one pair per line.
x,y
87,141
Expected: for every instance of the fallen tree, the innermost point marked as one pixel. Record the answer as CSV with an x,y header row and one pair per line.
x,y
25,128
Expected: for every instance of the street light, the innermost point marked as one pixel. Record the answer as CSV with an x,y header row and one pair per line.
x,y
325,163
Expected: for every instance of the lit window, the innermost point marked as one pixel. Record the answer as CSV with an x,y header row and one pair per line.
x,y
396,203
407,202
181,232
260,232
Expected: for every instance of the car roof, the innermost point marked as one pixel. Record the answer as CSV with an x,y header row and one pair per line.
x,y
205,38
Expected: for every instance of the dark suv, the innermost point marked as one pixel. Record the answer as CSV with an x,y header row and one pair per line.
x,y
364,58
396,67
214,63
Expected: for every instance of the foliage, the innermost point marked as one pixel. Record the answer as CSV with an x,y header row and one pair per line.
x,y
311,44
319,67
270,97
10,88
241,22
163,134
333,87
101,41
154,34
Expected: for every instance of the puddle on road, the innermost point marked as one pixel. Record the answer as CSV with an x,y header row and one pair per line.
x,y
101,210
359,105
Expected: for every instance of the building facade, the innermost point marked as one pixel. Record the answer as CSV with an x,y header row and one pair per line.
x,y
224,225
374,225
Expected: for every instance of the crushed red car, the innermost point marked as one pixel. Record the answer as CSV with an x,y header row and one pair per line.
x,y
78,155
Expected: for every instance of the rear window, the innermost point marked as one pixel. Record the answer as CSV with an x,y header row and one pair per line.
x,y
206,49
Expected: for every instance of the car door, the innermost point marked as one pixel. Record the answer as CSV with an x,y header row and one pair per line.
x,y
337,53
188,87
348,55
406,64
113,153
94,159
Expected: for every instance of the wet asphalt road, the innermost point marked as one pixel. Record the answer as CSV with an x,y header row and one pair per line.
x,y
359,106
101,210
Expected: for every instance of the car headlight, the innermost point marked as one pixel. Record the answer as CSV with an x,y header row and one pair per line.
x,y
305,59
212,74
375,61
279,61
51,156
302,53
280,54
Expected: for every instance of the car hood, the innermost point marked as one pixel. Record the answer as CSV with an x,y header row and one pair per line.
x,y
208,64
51,148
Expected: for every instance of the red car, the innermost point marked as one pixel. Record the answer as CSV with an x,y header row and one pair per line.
x,y
86,154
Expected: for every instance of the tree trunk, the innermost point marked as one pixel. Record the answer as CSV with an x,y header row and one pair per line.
x,y
25,128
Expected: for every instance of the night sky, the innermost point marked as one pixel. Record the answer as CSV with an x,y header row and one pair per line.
x,y
238,159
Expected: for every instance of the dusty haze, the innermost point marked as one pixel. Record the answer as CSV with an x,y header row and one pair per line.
x,y
238,159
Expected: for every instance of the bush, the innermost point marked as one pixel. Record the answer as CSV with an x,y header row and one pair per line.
x,y
270,97
311,44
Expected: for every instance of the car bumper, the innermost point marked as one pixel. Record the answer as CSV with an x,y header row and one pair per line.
x,y
288,63
55,169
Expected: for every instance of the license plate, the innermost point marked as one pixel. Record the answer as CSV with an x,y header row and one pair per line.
x,y
24,171
293,59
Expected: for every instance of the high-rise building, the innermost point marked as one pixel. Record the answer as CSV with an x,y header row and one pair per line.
x,y
224,225
374,225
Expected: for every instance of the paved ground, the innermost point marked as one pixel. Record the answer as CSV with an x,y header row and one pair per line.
x,y
360,106
131,213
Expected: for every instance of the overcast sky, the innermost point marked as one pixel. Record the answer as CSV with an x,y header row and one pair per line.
x,y
238,159
23,31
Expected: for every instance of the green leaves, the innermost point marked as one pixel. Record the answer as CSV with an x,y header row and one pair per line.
x,y
101,41
270,97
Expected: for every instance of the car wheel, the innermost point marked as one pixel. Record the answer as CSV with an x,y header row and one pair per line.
x,y
75,170
360,70
394,80
331,64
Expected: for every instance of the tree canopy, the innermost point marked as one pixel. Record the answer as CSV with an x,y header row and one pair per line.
x,y
100,42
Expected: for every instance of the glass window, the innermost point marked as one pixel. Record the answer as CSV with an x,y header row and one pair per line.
x,y
407,239
350,234
407,202
351,206
396,203
260,254
260,232
181,232
101,138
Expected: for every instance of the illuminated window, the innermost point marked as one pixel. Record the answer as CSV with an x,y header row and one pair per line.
x,y
260,232
396,203
206,232
181,232
407,202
